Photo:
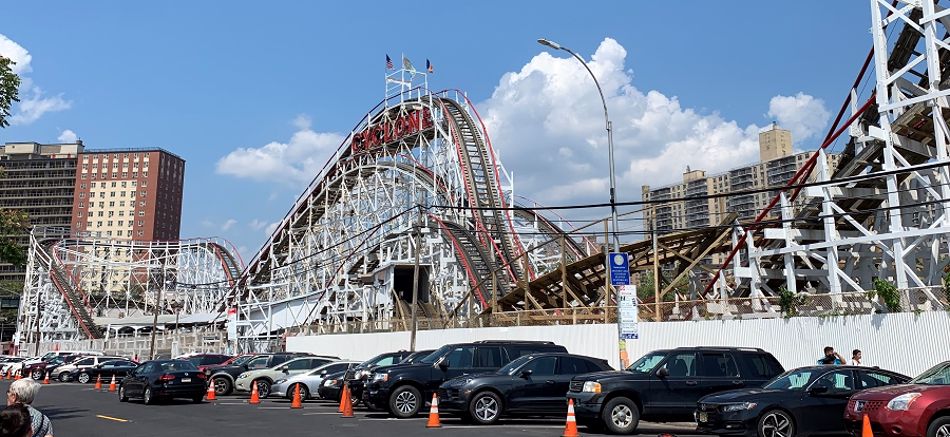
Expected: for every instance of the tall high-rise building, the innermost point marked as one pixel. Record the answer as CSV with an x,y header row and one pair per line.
x,y
129,194
38,179
774,143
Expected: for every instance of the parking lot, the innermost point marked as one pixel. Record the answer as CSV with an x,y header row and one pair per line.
x,y
77,410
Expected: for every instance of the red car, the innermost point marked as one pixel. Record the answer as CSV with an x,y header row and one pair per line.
x,y
920,408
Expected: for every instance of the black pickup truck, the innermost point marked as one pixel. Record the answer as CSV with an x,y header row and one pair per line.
x,y
665,385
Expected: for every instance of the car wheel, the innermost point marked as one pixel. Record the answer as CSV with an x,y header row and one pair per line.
x,y
122,395
37,374
147,398
304,392
485,408
405,402
621,416
263,388
940,427
776,423
63,377
222,386
83,378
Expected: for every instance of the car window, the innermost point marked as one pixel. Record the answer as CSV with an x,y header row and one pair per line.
x,y
460,357
936,375
177,366
337,367
681,365
84,362
572,366
870,379
386,361
488,356
719,365
300,364
836,381
258,363
761,366
147,369
647,363
543,366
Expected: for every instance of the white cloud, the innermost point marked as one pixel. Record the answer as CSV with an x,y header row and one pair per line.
x,y
68,136
802,114
228,224
34,102
547,125
20,56
271,228
294,162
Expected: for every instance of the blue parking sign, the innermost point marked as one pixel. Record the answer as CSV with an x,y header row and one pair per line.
x,y
619,266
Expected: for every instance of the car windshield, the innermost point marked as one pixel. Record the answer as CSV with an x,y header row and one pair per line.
x,y
510,368
177,366
936,375
792,380
237,361
48,356
414,358
647,363
436,355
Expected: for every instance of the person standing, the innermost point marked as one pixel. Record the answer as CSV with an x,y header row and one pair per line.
x,y
24,391
856,357
15,421
831,357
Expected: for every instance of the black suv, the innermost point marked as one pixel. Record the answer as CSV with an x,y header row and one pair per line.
x,y
223,377
665,385
403,389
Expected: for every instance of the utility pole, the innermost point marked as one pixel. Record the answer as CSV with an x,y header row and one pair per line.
x,y
156,309
415,283
38,338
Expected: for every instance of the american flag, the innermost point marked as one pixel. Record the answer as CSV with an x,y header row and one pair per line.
x,y
389,63
429,67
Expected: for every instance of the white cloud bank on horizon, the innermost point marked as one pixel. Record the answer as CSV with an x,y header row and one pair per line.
x,y
34,103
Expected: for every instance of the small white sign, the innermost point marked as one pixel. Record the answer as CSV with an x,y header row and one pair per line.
x,y
629,312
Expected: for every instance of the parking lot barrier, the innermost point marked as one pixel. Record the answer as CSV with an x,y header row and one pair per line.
x,y
296,404
343,396
46,379
255,397
434,413
18,377
210,394
99,383
112,385
347,403
866,430
570,428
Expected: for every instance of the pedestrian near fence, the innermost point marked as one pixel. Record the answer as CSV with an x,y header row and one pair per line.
x,y
856,357
831,357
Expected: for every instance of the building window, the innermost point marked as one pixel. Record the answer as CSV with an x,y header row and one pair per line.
x,y
121,203
113,185
141,213
111,204
109,223
129,233
111,213
133,183
82,195
89,224
135,175
102,204
101,214
82,186
82,205
102,194
124,184
79,215
109,234
121,213
112,194
99,224
141,233
125,175
142,203
83,176
121,223
141,223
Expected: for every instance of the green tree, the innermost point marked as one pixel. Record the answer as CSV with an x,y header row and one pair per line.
x,y
13,223
9,89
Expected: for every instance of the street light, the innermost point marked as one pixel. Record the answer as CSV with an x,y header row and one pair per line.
x,y
610,138
613,183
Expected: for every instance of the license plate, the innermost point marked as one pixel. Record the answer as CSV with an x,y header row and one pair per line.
x,y
186,380
703,417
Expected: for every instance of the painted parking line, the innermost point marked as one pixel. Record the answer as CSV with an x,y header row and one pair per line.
x,y
115,419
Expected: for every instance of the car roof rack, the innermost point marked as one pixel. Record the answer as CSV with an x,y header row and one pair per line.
x,y
512,341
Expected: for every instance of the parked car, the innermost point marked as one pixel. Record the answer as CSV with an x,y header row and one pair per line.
x,y
236,360
533,385
920,408
404,389
10,364
263,378
119,368
356,378
157,379
50,355
202,360
332,386
37,370
665,385
64,372
223,377
801,402
309,382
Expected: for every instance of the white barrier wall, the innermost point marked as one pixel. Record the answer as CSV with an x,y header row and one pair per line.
x,y
906,343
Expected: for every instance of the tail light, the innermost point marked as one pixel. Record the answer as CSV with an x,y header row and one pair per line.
x,y
167,377
202,376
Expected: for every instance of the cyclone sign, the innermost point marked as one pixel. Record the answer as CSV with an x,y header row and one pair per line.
x,y
390,130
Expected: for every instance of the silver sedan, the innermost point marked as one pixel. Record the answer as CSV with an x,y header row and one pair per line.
x,y
309,382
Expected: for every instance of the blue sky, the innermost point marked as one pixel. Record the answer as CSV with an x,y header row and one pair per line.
x,y
689,83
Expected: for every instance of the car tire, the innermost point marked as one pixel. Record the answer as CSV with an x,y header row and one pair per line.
x,y
63,377
83,378
775,423
940,427
122,395
485,408
405,402
263,387
147,397
304,392
621,416
222,386
37,374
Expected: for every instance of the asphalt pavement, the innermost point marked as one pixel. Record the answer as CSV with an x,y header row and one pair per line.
x,y
78,411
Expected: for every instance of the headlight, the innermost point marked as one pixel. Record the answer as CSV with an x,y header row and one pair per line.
x,y
381,377
361,374
591,387
329,383
280,381
742,406
242,376
902,402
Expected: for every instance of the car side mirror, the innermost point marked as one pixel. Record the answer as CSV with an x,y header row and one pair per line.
x,y
526,374
285,369
819,390
663,373
323,373
443,364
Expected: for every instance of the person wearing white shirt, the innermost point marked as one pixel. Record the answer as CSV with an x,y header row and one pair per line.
x,y
856,357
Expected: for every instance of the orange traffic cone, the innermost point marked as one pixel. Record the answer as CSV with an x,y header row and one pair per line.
x,y
343,396
99,383
210,395
18,377
46,379
866,430
296,403
434,413
9,374
112,385
570,429
347,403
255,398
